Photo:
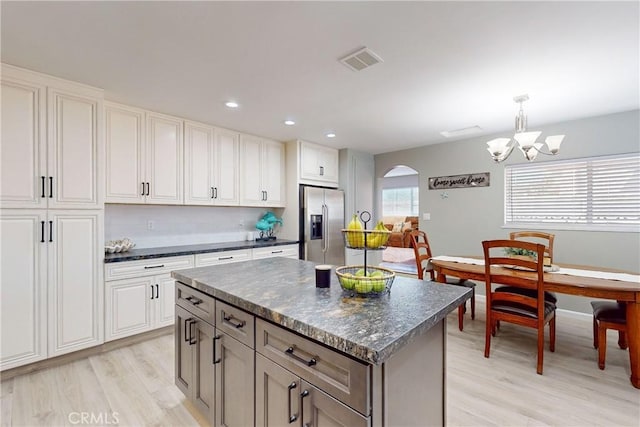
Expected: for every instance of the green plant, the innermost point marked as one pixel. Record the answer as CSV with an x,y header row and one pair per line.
x,y
519,251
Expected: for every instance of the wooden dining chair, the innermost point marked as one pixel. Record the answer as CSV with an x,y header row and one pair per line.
x,y
536,237
422,251
608,315
524,310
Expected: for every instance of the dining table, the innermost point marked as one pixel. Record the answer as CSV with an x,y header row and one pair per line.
x,y
581,280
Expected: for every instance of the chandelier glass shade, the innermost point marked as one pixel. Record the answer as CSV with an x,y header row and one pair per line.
x,y
501,148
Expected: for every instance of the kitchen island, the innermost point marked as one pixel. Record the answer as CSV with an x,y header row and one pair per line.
x,y
291,353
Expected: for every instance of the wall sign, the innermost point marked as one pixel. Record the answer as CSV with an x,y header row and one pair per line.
x,y
459,181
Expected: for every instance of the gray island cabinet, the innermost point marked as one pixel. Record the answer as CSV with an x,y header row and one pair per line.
x,y
258,344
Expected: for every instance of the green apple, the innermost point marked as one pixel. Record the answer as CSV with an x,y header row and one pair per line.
x,y
348,282
363,286
360,272
377,273
378,285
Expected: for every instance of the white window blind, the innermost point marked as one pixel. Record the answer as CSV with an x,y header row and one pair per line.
x,y
598,193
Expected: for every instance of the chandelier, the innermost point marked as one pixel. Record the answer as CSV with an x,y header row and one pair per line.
x,y
501,148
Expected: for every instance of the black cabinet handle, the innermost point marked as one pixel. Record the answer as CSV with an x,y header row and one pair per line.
x,y
194,300
50,187
51,231
42,179
215,360
187,322
321,170
148,267
222,258
41,231
192,338
304,394
212,192
309,362
148,186
142,194
266,196
276,252
152,292
238,325
215,192
292,417
157,291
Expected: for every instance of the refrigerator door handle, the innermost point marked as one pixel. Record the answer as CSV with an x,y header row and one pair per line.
x,y
325,225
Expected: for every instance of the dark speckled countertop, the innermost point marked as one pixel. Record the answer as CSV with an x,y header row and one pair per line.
x,y
150,253
283,291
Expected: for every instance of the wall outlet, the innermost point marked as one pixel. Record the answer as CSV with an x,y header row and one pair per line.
x,y
426,216
150,225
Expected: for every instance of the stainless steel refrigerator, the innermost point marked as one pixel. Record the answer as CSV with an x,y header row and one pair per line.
x,y
321,222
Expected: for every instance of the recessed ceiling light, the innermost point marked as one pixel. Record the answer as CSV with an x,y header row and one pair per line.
x,y
330,135
232,104
289,122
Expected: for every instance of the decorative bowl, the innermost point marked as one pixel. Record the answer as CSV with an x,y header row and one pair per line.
x,y
376,282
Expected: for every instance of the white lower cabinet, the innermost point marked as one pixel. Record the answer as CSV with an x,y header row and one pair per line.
x,y
287,251
144,299
52,287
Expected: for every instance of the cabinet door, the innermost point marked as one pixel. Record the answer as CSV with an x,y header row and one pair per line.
x,y
251,191
73,150
124,140
23,276
22,145
183,371
164,300
321,410
318,163
273,173
234,383
203,396
198,153
128,307
277,394
75,263
226,168
164,159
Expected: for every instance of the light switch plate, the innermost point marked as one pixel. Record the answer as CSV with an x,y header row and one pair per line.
x,y
426,216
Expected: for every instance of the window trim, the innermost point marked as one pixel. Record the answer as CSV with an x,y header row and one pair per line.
x,y
631,228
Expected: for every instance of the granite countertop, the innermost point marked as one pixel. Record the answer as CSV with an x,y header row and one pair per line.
x,y
150,253
283,291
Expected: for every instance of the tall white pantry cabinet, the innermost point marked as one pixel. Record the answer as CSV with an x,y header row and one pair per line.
x,y
51,217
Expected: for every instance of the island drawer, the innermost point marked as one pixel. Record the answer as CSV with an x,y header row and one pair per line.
x,y
235,323
224,257
196,302
146,267
338,375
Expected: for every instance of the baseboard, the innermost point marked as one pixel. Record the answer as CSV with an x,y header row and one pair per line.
x,y
81,354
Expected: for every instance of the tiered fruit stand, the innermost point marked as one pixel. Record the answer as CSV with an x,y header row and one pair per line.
x,y
364,280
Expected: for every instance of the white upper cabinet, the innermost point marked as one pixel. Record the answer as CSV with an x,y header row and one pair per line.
x,y
125,144
262,172
164,160
51,151
317,164
143,156
23,147
211,165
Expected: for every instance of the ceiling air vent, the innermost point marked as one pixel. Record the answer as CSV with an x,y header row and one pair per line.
x,y
361,59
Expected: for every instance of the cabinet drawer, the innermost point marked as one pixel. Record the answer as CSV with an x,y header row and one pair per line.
x,y
236,323
196,302
146,267
225,257
289,251
338,375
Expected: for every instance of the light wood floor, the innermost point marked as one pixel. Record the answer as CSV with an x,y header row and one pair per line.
x,y
136,382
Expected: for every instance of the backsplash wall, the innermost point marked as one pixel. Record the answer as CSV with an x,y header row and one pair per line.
x,y
180,225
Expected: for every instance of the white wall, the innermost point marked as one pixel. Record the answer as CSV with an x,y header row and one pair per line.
x,y
180,225
468,216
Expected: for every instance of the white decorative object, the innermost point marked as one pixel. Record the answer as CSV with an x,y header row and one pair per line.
x,y
114,246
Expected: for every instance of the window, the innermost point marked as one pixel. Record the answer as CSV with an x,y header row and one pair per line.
x,y
400,201
598,193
